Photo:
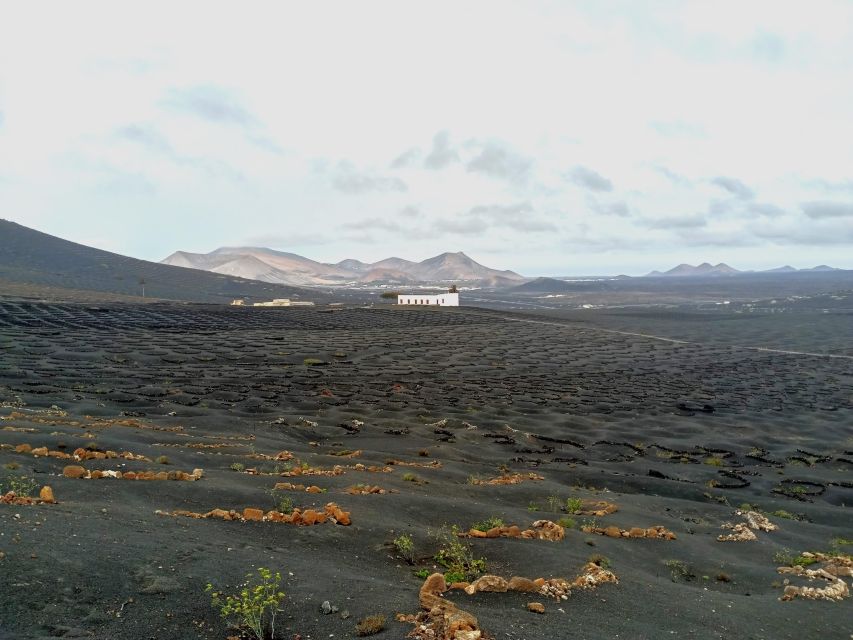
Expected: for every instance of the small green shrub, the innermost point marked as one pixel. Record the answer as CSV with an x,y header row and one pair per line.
x,y
237,466
422,573
410,477
532,507
370,625
574,505
553,503
162,460
405,546
600,560
781,513
488,523
457,557
714,461
11,466
679,570
312,362
256,604
22,485
567,523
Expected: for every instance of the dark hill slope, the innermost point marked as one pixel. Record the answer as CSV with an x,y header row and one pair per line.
x,y
46,263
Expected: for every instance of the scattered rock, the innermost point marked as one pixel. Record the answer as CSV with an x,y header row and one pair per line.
x,y
536,607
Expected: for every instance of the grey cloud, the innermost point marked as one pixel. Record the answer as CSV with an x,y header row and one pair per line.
x,y
148,137
520,216
734,187
766,209
466,226
827,185
498,161
827,209
410,212
209,103
126,184
442,153
693,221
347,179
619,208
675,178
768,47
589,179
824,232
406,159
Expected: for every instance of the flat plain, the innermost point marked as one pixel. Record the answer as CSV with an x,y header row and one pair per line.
x,y
561,410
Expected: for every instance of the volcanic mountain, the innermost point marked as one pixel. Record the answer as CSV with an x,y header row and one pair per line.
x,y
288,268
32,263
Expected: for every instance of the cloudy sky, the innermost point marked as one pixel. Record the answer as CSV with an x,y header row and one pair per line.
x,y
546,137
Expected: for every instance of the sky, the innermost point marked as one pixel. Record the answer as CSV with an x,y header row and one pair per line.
x,y
551,138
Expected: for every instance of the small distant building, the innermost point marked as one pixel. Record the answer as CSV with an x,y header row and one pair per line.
x,y
238,303
449,299
284,302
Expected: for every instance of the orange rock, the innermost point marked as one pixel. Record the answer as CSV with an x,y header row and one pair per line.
x,y
313,489
309,517
253,515
162,475
74,471
217,513
523,585
431,589
46,495
637,532
129,475
512,531
40,451
97,474
613,532
539,582
476,533
536,607
23,448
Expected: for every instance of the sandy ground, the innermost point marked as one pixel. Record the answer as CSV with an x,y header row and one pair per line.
x,y
463,394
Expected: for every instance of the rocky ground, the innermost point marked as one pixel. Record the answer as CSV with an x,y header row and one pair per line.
x,y
141,417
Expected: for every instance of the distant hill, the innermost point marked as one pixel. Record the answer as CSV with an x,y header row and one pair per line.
x,y
704,269
288,268
30,259
722,269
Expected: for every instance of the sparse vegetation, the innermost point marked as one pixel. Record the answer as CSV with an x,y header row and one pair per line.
x,y
237,466
714,461
488,523
567,523
553,503
389,295
11,466
600,560
21,485
162,460
574,505
457,557
422,573
312,362
256,604
532,507
410,477
370,625
781,513
679,570
405,546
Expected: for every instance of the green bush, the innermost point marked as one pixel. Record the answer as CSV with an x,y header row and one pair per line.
x,y
574,505
255,606
488,523
162,460
22,485
237,466
457,557
405,546
567,523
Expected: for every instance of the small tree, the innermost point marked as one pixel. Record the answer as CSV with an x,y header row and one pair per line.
x,y
389,295
255,606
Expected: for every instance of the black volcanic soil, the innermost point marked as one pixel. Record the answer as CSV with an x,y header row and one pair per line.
x,y
598,414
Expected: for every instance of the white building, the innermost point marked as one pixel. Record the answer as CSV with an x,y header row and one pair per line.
x,y
441,300
284,302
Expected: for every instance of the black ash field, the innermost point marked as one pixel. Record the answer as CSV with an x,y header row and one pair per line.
x,y
438,402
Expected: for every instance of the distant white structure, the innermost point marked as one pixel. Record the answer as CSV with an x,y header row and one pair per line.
x,y
441,300
283,302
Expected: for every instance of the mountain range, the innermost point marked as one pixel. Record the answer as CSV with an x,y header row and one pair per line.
x,y
722,269
33,262
281,267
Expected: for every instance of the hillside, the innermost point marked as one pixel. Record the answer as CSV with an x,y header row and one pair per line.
x,y
49,266
293,269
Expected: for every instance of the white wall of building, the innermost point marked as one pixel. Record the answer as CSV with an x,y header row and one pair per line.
x,y
440,300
